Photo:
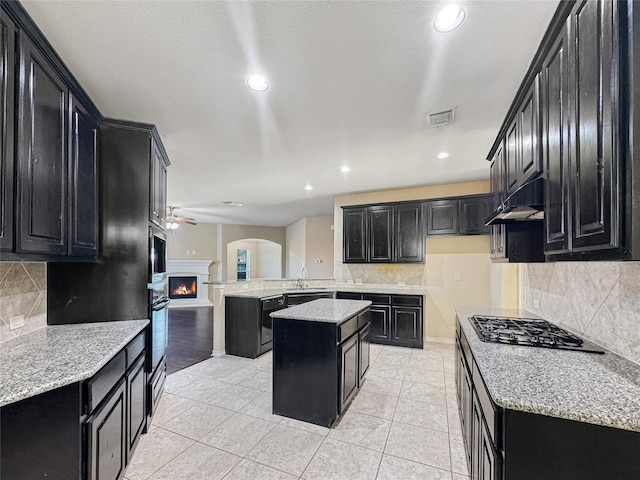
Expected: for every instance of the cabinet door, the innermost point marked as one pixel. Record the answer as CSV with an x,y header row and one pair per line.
x,y
442,217
512,156
595,185
158,187
406,326
466,392
42,155
472,214
364,340
7,121
83,182
107,438
555,145
380,316
381,227
488,457
136,404
530,164
348,370
354,235
409,235
497,178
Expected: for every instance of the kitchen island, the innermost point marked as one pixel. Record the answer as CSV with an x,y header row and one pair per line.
x,y
320,357
531,413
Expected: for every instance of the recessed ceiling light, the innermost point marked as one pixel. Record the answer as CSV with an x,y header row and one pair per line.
x,y
345,169
258,83
443,155
232,204
308,188
449,18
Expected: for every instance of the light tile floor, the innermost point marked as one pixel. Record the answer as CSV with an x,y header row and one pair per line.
x,y
214,421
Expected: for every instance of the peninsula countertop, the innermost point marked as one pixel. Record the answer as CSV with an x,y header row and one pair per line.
x,y
586,387
327,310
60,355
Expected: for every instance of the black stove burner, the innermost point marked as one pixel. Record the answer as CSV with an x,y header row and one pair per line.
x,y
531,332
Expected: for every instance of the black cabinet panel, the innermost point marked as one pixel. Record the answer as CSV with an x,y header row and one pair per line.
x,y
83,183
472,214
595,189
406,326
555,145
381,229
442,217
349,377
409,241
136,404
512,157
530,164
364,341
42,154
158,187
355,235
7,131
107,438
380,322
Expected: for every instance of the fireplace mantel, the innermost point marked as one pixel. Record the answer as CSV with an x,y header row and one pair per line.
x,y
183,268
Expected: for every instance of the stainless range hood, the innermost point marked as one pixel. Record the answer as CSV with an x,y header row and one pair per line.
x,y
525,204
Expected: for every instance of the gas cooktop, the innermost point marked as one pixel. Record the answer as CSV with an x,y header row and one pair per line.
x,y
530,332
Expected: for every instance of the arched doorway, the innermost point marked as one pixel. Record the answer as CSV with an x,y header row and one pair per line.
x,y
253,258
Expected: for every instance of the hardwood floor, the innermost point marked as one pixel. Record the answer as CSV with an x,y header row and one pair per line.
x,y
190,337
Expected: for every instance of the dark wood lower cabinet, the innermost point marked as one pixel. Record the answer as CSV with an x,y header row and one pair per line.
x,y
380,323
348,370
107,437
364,342
406,326
136,403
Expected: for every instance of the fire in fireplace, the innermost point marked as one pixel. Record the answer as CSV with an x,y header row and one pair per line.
x,y
183,287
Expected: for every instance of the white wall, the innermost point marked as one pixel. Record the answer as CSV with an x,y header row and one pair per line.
x,y
296,233
269,261
319,246
265,258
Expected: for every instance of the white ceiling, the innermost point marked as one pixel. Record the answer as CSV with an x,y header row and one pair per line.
x,y
351,82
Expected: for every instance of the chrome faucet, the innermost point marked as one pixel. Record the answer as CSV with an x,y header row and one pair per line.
x,y
302,280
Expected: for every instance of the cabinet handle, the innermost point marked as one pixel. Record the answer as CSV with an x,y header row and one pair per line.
x,y
36,160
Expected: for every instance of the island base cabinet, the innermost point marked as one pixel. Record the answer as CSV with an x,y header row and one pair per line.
x,y
348,371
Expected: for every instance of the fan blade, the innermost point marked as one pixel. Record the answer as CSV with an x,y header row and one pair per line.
x,y
190,221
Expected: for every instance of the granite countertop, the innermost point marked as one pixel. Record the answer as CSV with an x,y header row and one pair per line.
x,y
272,292
586,387
60,355
326,310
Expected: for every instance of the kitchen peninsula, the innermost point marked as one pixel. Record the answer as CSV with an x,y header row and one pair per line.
x,y
320,357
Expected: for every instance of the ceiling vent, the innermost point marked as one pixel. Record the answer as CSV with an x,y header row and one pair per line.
x,y
441,118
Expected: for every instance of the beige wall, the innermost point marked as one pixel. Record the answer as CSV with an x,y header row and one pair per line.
x,y
597,300
230,233
319,246
264,259
23,291
295,248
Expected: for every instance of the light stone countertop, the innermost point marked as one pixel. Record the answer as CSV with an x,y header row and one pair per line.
x,y
379,289
60,355
325,310
586,387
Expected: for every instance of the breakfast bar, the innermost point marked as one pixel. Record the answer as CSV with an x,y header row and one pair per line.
x,y
320,357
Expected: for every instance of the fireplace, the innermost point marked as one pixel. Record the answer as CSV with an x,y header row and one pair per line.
x,y
183,287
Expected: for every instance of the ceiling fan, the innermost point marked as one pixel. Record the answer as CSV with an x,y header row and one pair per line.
x,y
174,221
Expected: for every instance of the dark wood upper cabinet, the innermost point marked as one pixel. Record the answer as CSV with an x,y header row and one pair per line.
x,y
555,144
158,187
530,165
381,233
472,214
42,154
409,241
442,217
83,182
7,114
595,187
512,157
355,235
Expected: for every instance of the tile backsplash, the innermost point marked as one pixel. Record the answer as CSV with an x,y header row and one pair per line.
x,y
381,274
23,292
597,300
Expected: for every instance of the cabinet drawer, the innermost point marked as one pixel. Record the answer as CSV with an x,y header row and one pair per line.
x,y
490,411
156,386
348,296
363,319
377,299
347,328
408,300
103,381
134,349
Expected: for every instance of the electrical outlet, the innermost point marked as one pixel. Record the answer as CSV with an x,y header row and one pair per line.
x,y
536,303
16,321
193,252
456,277
349,282
245,287
187,252
358,281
